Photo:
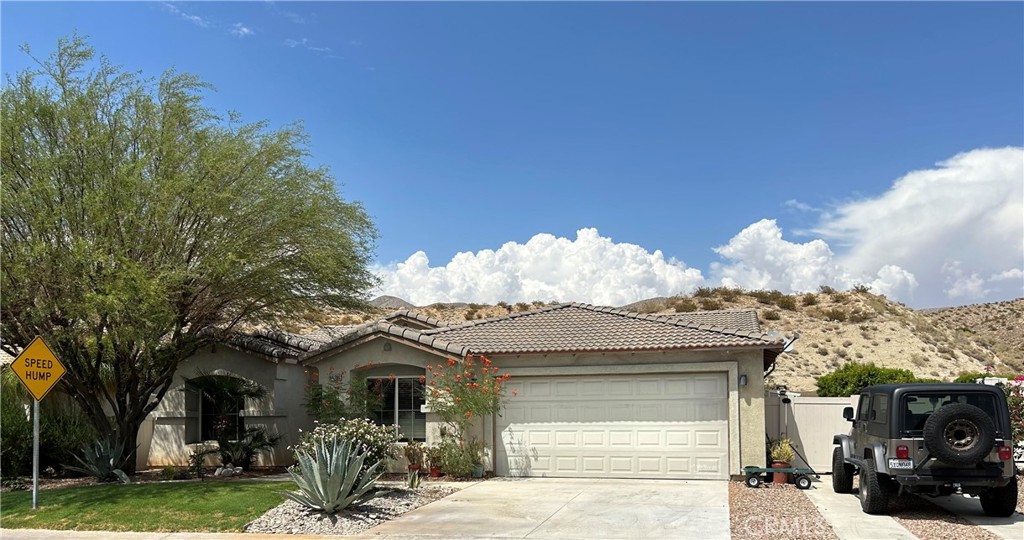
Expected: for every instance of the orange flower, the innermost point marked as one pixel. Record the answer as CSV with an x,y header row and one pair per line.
x,y
515,392
506,375
451,361
458,377
487,361
423,379
497,389
469,415
458,400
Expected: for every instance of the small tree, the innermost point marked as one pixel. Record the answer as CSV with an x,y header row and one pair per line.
x,y
854,377
1015,399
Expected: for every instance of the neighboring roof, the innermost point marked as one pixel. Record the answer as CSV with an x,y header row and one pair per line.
x,y
740,319
583,327
362,331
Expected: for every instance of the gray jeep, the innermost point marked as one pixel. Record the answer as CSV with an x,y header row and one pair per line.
x,y
932,439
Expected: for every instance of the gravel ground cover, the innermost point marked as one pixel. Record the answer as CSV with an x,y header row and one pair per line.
x,y
774,511
928,521
292,518
1020,494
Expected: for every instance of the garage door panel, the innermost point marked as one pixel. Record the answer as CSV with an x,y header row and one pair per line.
x,y
648,433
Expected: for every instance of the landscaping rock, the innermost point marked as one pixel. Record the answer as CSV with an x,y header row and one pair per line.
x,y
292,518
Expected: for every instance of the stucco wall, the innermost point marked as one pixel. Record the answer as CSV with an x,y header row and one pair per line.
x,y
165,438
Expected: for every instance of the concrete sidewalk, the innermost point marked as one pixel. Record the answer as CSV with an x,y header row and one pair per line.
x,y
969,508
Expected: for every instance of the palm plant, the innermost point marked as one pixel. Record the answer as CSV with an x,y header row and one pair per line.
x,y
331,478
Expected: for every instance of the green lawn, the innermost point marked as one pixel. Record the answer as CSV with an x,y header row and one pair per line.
x,y
210,506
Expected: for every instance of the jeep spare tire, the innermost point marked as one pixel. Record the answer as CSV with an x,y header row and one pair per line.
x,y
959,434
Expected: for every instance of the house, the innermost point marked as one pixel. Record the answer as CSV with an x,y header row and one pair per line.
x,y
601,392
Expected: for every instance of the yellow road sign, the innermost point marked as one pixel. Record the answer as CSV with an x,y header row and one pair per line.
x,y
38,368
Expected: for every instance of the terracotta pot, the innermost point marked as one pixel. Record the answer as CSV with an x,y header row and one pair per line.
x,y
415,467
435,472
780,478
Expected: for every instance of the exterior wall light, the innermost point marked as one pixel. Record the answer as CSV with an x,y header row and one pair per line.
x,y
743,379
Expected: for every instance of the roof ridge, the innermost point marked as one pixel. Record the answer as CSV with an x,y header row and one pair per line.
x,y
417,316
389,328
664,319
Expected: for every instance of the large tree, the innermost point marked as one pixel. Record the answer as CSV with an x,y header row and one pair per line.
x,y
138,225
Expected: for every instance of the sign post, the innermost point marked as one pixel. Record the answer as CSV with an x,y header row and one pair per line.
x,y
39,370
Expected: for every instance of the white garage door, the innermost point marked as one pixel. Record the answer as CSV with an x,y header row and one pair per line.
x,y
647,426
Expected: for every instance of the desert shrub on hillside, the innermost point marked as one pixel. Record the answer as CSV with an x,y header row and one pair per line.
x,y
834,314
684,305
771,315
704,292
809,299
710,304
839,298
729,294
522,306
861,288
854,377
825,289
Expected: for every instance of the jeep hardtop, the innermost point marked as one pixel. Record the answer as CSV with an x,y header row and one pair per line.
x,y
933,439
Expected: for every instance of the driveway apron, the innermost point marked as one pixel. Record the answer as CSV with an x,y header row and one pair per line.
x,y
548,508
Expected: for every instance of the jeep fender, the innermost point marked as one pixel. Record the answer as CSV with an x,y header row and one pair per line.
x,y
878,453
846,443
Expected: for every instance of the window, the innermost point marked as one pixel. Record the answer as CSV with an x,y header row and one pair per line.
x,y
400,399
862,410
220,418
879,408
918,407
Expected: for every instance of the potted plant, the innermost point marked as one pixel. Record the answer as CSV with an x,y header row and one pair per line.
x,y
414,454
476,450
782,456
434,456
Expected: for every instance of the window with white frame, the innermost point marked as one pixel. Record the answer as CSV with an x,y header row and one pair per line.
x,y
400,399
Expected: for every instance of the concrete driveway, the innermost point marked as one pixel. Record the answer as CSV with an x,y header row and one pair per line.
x,y
540,508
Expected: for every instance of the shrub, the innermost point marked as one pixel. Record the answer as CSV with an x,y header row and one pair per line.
x,y
333,475
809,299
241,453
15,432
782,450
685,305
522,306
839,298
860,288
710,304
834,314
729,294
102,460
63,430
823,351
704,292
414,453
457,457
459,391
771,315
825,289
377,442
1015,399
854,377
786,302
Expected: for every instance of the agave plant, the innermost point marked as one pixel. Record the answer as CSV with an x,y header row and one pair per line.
x,y
331,478
102,460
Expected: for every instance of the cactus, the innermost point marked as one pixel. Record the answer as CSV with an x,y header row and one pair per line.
x,y
330,478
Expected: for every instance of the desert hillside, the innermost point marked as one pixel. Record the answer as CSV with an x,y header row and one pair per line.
x,y
835,327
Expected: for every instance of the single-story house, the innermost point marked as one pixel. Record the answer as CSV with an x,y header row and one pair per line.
x,y
601,392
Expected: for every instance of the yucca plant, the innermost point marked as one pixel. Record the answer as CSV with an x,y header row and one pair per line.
x,y
331,477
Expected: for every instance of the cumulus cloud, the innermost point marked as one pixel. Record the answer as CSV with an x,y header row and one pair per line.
x,y
958,227
590,268
759,258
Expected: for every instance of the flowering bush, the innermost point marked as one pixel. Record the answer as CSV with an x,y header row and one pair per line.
x,y
1015,399
460,391
378,442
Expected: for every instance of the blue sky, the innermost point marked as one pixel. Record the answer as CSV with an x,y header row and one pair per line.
x,y
671,127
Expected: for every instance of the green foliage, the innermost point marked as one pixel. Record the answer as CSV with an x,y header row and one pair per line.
x,y
102,460
809,299
241,453
168,472
729,294
412,479
136,220
377,442
782,450
854,377
1015,400
333,476
338,399
971,376
458,458
704,292
786,302
197,461
458,391
15,431
771,315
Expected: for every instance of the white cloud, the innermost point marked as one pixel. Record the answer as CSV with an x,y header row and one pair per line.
x,y
591,268
759,258
950,225
241,30
194,19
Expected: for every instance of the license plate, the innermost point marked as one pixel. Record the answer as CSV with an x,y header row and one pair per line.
x,y
901,464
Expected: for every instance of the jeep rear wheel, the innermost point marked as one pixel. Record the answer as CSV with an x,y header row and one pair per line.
x,y
874,497
959,434
1000,502
842,472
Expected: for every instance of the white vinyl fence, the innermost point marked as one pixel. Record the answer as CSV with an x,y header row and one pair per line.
x,y
810,422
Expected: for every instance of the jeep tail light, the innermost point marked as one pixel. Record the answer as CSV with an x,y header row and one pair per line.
x,y
1004,453
902,452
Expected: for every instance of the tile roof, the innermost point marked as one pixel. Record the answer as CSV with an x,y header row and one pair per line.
x,y
740,319
583,327
561,328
